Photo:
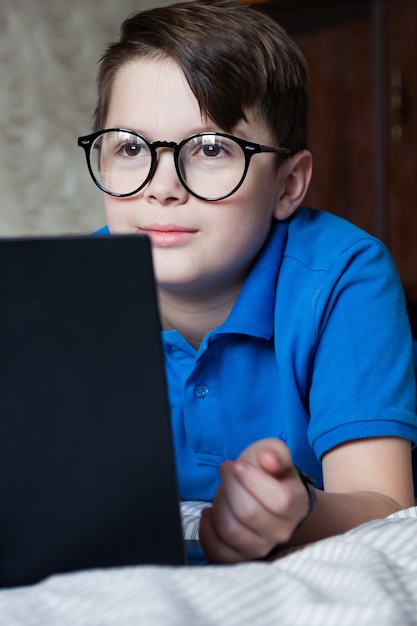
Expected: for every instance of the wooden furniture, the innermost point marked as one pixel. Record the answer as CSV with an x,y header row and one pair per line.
x,y
363,125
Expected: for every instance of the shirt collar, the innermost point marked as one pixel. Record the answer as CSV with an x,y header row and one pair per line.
x,y
253,311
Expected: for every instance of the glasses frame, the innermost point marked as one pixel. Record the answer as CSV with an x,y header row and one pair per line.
x,y
248,148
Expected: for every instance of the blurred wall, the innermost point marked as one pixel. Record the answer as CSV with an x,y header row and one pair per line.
x,y
48,61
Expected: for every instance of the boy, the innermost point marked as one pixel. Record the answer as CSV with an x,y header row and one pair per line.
x,y
286,339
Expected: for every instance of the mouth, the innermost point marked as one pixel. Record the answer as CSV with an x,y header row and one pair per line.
x,y
167,235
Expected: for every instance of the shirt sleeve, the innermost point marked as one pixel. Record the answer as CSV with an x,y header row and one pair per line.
x,y
362,379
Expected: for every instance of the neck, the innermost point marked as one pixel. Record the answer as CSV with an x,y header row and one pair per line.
x,y
194,317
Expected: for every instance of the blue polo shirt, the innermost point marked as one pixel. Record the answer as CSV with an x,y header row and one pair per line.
x,y
316,352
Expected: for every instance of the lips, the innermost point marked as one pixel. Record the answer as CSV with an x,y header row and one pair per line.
x,y
167,235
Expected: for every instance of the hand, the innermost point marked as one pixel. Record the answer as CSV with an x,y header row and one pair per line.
x,y
259,504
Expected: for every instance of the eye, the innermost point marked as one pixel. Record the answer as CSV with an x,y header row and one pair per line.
x,y
211,150
132,149
122,145
209,147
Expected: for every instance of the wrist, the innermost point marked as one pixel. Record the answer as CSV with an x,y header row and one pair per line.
x,y
308,483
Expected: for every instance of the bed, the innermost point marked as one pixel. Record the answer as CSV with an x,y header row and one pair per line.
x,y
366,576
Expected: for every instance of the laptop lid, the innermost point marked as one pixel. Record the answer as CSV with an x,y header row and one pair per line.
x,y
87,471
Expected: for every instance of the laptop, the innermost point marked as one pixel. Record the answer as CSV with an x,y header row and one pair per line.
x,y
87,467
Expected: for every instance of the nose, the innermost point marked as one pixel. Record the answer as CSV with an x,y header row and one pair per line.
x,y
165,187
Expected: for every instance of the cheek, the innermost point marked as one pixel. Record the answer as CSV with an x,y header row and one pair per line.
x,y
116,215
240,239
264,178
253,209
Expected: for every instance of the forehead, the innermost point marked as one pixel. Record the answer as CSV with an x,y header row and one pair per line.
x,y
152,96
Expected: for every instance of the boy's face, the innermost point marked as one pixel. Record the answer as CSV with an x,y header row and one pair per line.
x,y
200,248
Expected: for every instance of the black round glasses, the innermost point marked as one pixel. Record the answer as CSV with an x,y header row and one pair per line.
x,y
211,166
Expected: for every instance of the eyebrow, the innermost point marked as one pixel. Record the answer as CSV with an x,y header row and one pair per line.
x,y
212,128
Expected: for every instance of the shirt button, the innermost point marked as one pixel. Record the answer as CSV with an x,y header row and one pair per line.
x,y
200,391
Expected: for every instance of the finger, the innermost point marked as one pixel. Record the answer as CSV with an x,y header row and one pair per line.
x,y
252,502
272,494
213,544
241,521
274,462
263,501
271,454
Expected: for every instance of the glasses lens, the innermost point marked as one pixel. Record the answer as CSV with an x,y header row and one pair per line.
x,y
120,161
211,165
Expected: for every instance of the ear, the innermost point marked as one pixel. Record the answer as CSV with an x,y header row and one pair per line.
x,y
294,178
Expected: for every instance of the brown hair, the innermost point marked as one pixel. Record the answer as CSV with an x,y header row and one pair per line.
x,y
234,57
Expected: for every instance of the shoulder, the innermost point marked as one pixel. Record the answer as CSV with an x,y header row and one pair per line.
x,y
330,265
318,240
102,231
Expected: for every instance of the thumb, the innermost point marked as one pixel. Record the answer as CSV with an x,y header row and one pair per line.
x,y
275,460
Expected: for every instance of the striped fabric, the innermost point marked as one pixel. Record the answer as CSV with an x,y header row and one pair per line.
x,y
365,577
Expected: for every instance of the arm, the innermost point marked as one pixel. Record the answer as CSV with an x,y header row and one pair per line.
x,y
347,359
262,500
